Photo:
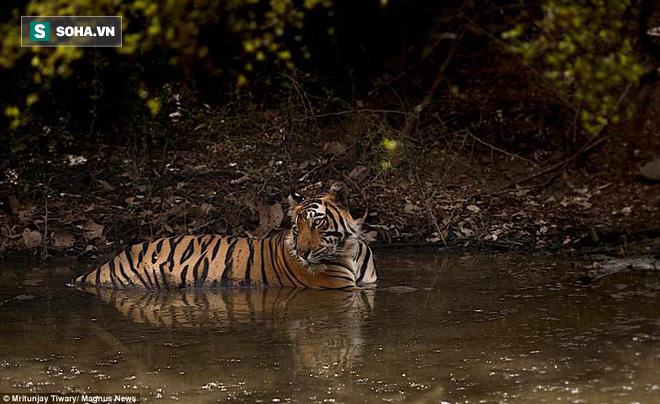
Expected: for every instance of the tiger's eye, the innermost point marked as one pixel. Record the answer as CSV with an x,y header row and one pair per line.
x,y
320,222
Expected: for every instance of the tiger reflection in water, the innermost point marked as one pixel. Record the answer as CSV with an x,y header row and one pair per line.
x,y
324,328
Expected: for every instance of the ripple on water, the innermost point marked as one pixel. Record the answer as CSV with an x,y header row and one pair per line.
x,y
470,328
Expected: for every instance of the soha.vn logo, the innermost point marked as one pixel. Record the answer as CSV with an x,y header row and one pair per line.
x,y
39,31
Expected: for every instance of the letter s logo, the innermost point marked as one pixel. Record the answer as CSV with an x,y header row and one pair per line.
x,y
39,31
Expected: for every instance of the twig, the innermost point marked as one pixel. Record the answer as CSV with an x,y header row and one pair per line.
x,y
261,189
562,164
163,161
431,93
46,220
597,140
327,163
349,180
303,95
500,150
353,111
434,220
453,160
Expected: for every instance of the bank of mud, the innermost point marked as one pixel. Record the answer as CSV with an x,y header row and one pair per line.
x,y
463,195
447,178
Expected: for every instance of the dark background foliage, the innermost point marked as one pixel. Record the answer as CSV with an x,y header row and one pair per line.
x,y
425,108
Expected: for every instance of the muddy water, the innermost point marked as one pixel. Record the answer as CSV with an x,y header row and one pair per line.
x,y
472,328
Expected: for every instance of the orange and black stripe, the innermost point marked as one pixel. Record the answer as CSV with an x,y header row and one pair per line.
x,y
224,261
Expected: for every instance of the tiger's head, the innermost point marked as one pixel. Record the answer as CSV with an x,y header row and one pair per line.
x,y
322,230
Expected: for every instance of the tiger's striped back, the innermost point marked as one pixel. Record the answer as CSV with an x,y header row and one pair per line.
x,y
222,261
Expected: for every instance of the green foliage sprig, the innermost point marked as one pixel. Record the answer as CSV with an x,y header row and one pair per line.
x,y
583,48
264,29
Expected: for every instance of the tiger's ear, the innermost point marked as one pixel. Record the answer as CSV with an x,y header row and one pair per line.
x,y
294,199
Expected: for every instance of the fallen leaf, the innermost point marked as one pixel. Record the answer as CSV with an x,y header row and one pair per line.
x,y
410,208
585,205
357,172
467,232
14,203
651,171
370,236
62,239
24,215
239,181
9,232
205,208
73,160
93,230
434,238
270,217
332,148
106,185
31,238
472,208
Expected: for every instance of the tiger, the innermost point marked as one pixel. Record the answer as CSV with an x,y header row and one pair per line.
x,y
323,249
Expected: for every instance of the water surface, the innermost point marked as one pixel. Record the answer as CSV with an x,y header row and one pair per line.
x,y
471,328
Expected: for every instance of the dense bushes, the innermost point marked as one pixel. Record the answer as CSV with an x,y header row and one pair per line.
x,y
585,49
204,49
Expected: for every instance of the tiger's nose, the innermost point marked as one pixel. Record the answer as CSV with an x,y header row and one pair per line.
x,y
305,254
